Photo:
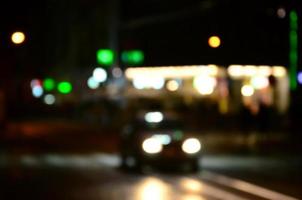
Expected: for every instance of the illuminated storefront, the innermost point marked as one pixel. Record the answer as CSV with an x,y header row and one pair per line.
x,y
230,87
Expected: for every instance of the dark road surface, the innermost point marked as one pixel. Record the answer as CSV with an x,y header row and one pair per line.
x,y
97,176
77,163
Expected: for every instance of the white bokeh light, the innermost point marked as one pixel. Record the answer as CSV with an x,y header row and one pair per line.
x,y
117,72
92,83
157,83
49,99
205,85
191,145
281,12
260,82
141,82
37,91
247,90
152,146
235,71
249,70
154,117
165,139
99,75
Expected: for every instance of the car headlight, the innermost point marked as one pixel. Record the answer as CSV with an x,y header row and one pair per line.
x,y
191,146
152,146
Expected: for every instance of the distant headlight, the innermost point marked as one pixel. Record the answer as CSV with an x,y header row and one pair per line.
x,y
152,146
164,139
191,146
154,117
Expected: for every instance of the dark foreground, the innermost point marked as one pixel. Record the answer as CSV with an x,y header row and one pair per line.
x,y
97,176
84,165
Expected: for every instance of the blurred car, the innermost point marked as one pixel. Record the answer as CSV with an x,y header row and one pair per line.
x,y
157,139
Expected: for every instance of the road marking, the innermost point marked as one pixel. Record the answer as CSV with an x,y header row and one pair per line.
x,y
244,186
194,185
186,185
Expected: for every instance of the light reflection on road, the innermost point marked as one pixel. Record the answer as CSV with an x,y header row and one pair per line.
x,y
152,188
192,197
179,188
191,185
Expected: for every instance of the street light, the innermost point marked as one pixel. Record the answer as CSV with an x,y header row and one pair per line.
x,y
18,37
214,41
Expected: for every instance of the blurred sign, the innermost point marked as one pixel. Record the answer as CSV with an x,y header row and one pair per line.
x,y
133,57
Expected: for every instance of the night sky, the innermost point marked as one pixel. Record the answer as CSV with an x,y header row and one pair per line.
x,y
66,34
251,31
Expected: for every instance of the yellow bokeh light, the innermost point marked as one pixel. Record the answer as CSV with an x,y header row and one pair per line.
x,y
264,70
18,37
172,85
247,90
172,72
192,197
235,71
214,41
191,185
249,70
213,70
152,189
279,71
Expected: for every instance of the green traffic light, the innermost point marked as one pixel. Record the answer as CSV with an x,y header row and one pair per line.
x,y
133,57
49,84
105,57
64,87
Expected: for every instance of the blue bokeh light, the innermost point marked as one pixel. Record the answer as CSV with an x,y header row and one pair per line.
x,y
299,77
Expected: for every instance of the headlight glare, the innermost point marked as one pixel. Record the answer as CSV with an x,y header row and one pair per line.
x,y
152,146
191,146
